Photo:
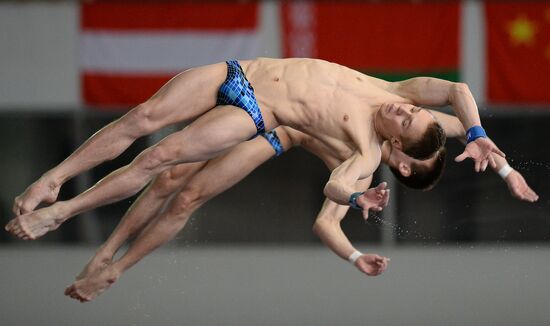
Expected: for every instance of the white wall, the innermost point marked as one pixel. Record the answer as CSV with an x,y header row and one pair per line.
x,y
473,48
284,285
38,56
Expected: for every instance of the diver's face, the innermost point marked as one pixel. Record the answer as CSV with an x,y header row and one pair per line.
x,y
404,121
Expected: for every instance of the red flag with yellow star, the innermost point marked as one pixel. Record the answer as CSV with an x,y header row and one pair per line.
x,y
518,52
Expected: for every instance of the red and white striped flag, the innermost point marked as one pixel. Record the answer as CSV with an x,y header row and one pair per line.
x,y
130,49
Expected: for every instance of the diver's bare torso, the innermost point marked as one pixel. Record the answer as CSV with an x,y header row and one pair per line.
x,y
330,102
332,155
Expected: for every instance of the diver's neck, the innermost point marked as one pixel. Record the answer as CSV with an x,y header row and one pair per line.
x,y
376,125
386,150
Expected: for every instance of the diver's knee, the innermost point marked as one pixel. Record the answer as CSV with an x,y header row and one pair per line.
x,y
188,199
164,184
156,159
139,119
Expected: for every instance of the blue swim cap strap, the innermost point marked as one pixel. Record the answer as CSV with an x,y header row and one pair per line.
x,y
474,133
353,200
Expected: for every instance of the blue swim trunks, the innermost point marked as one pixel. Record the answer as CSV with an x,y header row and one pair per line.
x,y
237,91
273,139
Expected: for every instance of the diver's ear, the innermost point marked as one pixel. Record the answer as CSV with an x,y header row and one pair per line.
x,y
404,169
396,143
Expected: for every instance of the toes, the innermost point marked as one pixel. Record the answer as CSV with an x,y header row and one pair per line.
x,y
75,296
69,289
22,232
11,225
83,297
17,232
29,237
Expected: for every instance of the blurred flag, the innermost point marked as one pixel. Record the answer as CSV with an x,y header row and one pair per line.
x,y
391,40
518,52
130,49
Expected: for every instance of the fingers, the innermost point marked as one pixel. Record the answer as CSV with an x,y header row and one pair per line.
x,y
484,165
462,157
383,194
381,186
365,214
519,188
492,162
386,198
380,190
497,151
481,165
372,264
477,166
385,263
382,263
374,209
530,195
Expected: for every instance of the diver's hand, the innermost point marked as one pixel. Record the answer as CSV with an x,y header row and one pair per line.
x,y
480,151
374,199
371,264
519,188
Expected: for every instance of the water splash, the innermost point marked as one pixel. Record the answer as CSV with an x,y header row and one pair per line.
x,y
527,165
399,230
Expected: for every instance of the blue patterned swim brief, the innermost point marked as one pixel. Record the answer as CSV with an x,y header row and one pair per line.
x,y
274,141
237,91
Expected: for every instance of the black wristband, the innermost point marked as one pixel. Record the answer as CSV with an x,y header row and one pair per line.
x,y
353,200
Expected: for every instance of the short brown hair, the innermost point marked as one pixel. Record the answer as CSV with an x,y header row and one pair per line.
x,y
422,177
431,141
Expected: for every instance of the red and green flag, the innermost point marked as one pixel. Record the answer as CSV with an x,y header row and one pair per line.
x,y
391,40
518,52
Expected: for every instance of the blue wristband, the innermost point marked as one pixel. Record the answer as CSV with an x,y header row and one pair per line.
x,y
474,133
353,200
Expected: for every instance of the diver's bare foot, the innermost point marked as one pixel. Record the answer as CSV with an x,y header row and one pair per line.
x,y
96,264
35,224
41,191
88,288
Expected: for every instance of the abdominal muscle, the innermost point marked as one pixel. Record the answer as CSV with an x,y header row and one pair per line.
x,y
305,94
